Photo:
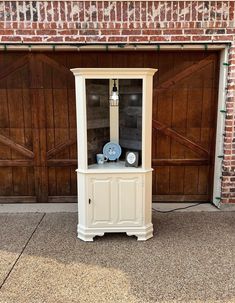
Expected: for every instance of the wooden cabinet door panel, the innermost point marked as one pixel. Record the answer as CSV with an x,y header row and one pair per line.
x,y
129,199
101,208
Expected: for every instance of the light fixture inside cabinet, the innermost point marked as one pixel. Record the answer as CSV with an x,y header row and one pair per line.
x,y
114,98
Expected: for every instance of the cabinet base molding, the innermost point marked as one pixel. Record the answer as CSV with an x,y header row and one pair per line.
x,y
142,233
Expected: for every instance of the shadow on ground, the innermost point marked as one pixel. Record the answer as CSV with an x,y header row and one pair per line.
x,y
190,259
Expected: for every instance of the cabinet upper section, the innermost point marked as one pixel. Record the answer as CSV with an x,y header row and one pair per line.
x,y
114,118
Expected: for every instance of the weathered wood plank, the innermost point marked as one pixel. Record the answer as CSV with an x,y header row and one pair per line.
x,y
17,199
131,144
14,66
97,123
15,146
179,162
9,163
179,138
184,73
62,199
128,132
59,147
59,67
39,130
62,162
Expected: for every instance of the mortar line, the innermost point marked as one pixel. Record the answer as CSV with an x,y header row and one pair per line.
x,y
22,251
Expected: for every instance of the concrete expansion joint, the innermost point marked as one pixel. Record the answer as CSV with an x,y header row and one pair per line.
x,y
22,251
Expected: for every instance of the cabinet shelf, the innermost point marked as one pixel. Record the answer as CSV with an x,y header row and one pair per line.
x,y
113,167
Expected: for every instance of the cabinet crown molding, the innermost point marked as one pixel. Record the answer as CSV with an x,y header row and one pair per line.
x,y
113,72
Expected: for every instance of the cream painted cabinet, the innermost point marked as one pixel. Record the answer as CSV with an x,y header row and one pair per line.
x,y
115,200
114,196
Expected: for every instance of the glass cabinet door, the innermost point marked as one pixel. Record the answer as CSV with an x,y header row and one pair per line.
x,y
97,97
122,120
130,114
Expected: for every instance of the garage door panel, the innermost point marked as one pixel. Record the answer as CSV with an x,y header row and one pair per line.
x,y
162,177
191,180
6,188
190,125
203,177
176,180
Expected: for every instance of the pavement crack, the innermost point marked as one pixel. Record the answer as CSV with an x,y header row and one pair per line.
x,y
22,251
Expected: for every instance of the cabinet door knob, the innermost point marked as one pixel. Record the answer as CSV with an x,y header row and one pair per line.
x,y
89,201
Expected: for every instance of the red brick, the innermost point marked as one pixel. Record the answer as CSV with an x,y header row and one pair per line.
x,y
28,32
231,31
180,38
46,32
10,38
32,39
112,12
201,38
6,32
93,39
138,38
172,32
143,10
159,38
74,39
48,10
54,39
223,38
55,10
127,32
110,32
137,10
151,32
68,32
88,32
117,39
134,25
193,31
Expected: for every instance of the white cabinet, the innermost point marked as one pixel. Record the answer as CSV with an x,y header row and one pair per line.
x,y
113,197
115,200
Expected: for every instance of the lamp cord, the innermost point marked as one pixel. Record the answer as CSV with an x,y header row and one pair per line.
x,y
172,210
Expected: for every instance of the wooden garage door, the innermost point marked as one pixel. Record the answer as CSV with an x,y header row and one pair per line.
x,y
184,123
38,125
37,129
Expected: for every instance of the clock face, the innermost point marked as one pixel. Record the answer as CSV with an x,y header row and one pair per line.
x,y
131,158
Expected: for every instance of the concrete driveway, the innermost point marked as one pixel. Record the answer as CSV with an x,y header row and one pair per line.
x,y
190,259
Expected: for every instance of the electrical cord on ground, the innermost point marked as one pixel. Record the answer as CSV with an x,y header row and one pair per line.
x,y
172,210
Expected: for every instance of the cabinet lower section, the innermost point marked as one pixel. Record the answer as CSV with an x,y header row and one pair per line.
x,y
115,203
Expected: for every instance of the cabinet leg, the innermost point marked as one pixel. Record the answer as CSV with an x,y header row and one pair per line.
x,y
87,235
86,238
142,234
144,237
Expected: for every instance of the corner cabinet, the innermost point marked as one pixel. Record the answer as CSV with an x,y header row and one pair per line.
x,y
113,196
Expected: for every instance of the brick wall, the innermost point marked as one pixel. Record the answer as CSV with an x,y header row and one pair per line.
x,y
131,22
117,21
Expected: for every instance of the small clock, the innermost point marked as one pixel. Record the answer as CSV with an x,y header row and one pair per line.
x,y
132,159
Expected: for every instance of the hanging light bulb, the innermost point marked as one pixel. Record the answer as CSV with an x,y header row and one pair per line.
x,y
114,99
